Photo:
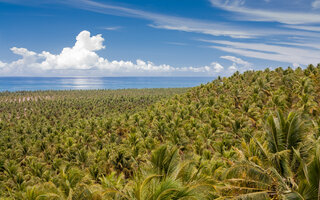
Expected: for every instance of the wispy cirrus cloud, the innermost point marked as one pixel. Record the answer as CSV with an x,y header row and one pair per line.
x,y
304,45
161,21
176,43
237,60
168,22
316,4
257,14
112,28
307,28
268,51
212,27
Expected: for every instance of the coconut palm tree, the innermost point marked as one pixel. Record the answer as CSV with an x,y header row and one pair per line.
x,y
270,170
309,186
165,177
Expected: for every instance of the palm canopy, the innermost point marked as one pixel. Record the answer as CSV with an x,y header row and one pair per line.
x,y
272,169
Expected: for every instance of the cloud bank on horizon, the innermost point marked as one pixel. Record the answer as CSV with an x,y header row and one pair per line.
x,y
82,59
241,34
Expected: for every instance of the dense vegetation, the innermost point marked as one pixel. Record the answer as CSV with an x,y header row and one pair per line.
x,y
250,136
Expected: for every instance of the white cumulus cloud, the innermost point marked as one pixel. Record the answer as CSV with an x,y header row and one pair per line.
x,y
81,56
232,68
237,64
2,64
82,59
217,67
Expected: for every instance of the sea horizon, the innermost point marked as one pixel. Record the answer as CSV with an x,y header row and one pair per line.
x,y
36,83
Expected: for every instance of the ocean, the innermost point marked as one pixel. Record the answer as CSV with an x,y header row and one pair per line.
x,y
84,83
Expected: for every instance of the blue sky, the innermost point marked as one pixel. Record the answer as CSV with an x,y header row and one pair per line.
x,y
156,38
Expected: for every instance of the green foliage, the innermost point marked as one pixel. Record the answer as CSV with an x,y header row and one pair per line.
x,y
250,136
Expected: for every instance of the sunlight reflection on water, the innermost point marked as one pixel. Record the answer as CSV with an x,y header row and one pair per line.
x,y
69,83
82,83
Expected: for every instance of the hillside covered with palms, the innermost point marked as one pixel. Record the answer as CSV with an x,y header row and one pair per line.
x,y
248,136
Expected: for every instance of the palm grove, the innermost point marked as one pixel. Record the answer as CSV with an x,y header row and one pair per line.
x,y
250,136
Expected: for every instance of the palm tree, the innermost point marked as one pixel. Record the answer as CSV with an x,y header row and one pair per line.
x,y
165,177
270,169
309,187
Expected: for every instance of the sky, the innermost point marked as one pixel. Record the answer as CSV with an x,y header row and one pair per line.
x,y
156,38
